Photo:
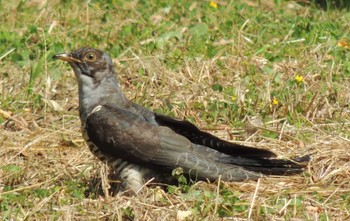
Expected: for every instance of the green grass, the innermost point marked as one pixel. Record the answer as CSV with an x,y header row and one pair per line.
x,y
283,64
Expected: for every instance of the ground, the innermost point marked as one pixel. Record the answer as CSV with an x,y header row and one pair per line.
x,y
273,75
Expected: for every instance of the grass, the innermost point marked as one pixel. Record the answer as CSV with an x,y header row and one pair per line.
x,y
273,74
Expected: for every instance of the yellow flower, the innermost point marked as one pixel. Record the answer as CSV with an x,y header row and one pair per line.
x,y
213,4
342,43
233,98
299,78
275,101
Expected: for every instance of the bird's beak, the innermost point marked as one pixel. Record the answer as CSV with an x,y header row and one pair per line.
x,y
66,57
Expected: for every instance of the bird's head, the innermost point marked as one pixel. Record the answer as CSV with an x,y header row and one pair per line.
x,y
90,65
96,77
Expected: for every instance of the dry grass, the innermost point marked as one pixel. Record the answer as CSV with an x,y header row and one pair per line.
x,y
48,173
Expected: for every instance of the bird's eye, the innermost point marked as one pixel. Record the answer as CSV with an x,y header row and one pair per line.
x,y
90,57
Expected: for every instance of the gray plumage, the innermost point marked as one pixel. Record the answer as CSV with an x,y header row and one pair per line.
x,y
139,144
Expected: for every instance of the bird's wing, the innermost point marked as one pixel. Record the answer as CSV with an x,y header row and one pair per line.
x,y
249,158
125,135
191,132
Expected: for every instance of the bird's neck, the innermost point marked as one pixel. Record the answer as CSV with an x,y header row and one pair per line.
x,y
105,92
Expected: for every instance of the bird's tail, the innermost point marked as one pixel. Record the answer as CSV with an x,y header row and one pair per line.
x,y
272,166
263,165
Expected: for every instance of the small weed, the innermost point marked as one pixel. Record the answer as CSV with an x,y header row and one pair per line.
x,y
12,174
128,213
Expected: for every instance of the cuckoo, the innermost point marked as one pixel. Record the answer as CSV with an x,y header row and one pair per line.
x,y
140,145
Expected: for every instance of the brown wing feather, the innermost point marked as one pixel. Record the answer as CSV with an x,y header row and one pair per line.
x,y
125,135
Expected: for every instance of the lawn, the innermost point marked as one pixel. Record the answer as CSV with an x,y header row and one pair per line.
x,y
268,74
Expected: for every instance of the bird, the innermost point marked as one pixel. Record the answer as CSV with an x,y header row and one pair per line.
x,y
139,144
